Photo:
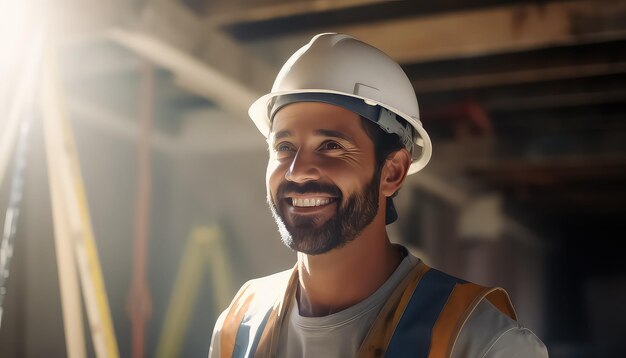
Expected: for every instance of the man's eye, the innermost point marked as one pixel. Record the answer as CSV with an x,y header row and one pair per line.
x,y
330,145
283,147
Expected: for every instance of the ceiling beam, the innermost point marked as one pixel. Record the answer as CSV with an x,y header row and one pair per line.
x,y
515,77
495,30
549,172
73,21
271,18
561,100
197,76
204,62
281,10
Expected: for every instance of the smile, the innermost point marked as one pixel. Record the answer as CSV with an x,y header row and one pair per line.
x,y
309,202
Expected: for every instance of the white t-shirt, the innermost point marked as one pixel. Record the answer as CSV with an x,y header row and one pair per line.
x,y
487,333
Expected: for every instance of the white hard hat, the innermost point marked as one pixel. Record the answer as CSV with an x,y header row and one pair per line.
x,y
339,68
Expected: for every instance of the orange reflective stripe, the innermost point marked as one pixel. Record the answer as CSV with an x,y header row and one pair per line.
x,y
499,298
461,303
229,329
378,338
452,318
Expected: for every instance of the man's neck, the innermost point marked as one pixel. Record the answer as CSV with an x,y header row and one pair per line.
x,y
344,277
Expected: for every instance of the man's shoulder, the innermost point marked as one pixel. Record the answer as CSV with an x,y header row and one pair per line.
x,y
270,282
264,289
490,333
255,297
484,315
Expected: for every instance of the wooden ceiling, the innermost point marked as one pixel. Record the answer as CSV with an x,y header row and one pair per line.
x,y
541,82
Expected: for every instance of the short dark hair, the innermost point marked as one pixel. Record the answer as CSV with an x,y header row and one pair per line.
x,y
384,143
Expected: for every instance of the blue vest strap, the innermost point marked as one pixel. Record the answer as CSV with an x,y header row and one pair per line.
x,y
248,335
413,333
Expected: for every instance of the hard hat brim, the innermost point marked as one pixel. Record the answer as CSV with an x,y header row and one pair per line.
x,y
258,112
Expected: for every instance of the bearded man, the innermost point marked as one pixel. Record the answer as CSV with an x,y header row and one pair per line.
x,y
343,130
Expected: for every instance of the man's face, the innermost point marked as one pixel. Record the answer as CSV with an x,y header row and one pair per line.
x,y
321,181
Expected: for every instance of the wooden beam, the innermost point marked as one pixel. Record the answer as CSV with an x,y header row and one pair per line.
x,y
550,172
571,202
204,62
556,100
76,20
230,94
494,30
281,10
517,77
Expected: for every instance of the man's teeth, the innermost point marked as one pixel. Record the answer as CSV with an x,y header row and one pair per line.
x,y
310,202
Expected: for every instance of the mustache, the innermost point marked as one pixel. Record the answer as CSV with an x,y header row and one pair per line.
x,y
307,187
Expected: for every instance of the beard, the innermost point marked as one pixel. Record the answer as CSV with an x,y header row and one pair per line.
x,y
307,234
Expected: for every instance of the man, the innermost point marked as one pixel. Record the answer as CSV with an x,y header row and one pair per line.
x,y
343,131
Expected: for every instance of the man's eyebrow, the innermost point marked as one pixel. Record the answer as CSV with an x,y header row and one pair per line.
x,y
281,134
334,134
321,132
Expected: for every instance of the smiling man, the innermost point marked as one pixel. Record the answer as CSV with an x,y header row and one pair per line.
x,y
343,131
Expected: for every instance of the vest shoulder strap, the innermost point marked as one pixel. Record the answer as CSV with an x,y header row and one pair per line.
x,y
248,314
425,314
461,302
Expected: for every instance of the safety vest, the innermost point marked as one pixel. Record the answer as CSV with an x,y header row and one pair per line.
x,y
422,318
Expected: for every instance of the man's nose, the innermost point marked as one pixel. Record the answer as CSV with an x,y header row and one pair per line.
x,y
303,168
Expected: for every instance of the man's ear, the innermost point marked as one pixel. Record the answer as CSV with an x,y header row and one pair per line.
x,y
394,171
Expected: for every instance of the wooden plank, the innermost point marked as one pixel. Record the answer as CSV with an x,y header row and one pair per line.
x,y
549,172
556,100
281,10
65,167
204,62
494,30
66,265
517,77
204,249
210,82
